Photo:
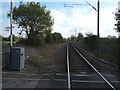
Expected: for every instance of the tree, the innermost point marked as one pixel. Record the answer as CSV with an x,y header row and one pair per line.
x,y
111,37
57,37
80,36
48,37
117,17
88,34
34,20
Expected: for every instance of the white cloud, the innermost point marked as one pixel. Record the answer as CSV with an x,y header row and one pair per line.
x,y
59,16
77,20
67,24
107,21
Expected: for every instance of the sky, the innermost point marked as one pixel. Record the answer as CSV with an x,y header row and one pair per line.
x,y
67,20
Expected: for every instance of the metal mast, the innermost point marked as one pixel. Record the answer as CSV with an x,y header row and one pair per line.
x,y
11,41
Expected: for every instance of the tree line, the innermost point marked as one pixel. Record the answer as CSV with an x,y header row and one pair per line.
x,y
51,38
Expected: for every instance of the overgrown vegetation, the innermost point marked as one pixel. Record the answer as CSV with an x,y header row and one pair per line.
x,y
108,47
36,22
44,59
117,17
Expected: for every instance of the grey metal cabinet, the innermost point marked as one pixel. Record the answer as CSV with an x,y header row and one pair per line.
x,y
17,58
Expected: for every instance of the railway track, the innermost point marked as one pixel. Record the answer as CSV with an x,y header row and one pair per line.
x,y
77,74
82,74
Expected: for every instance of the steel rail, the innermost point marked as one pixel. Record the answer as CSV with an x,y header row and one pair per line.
x,y
68,69
95,70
